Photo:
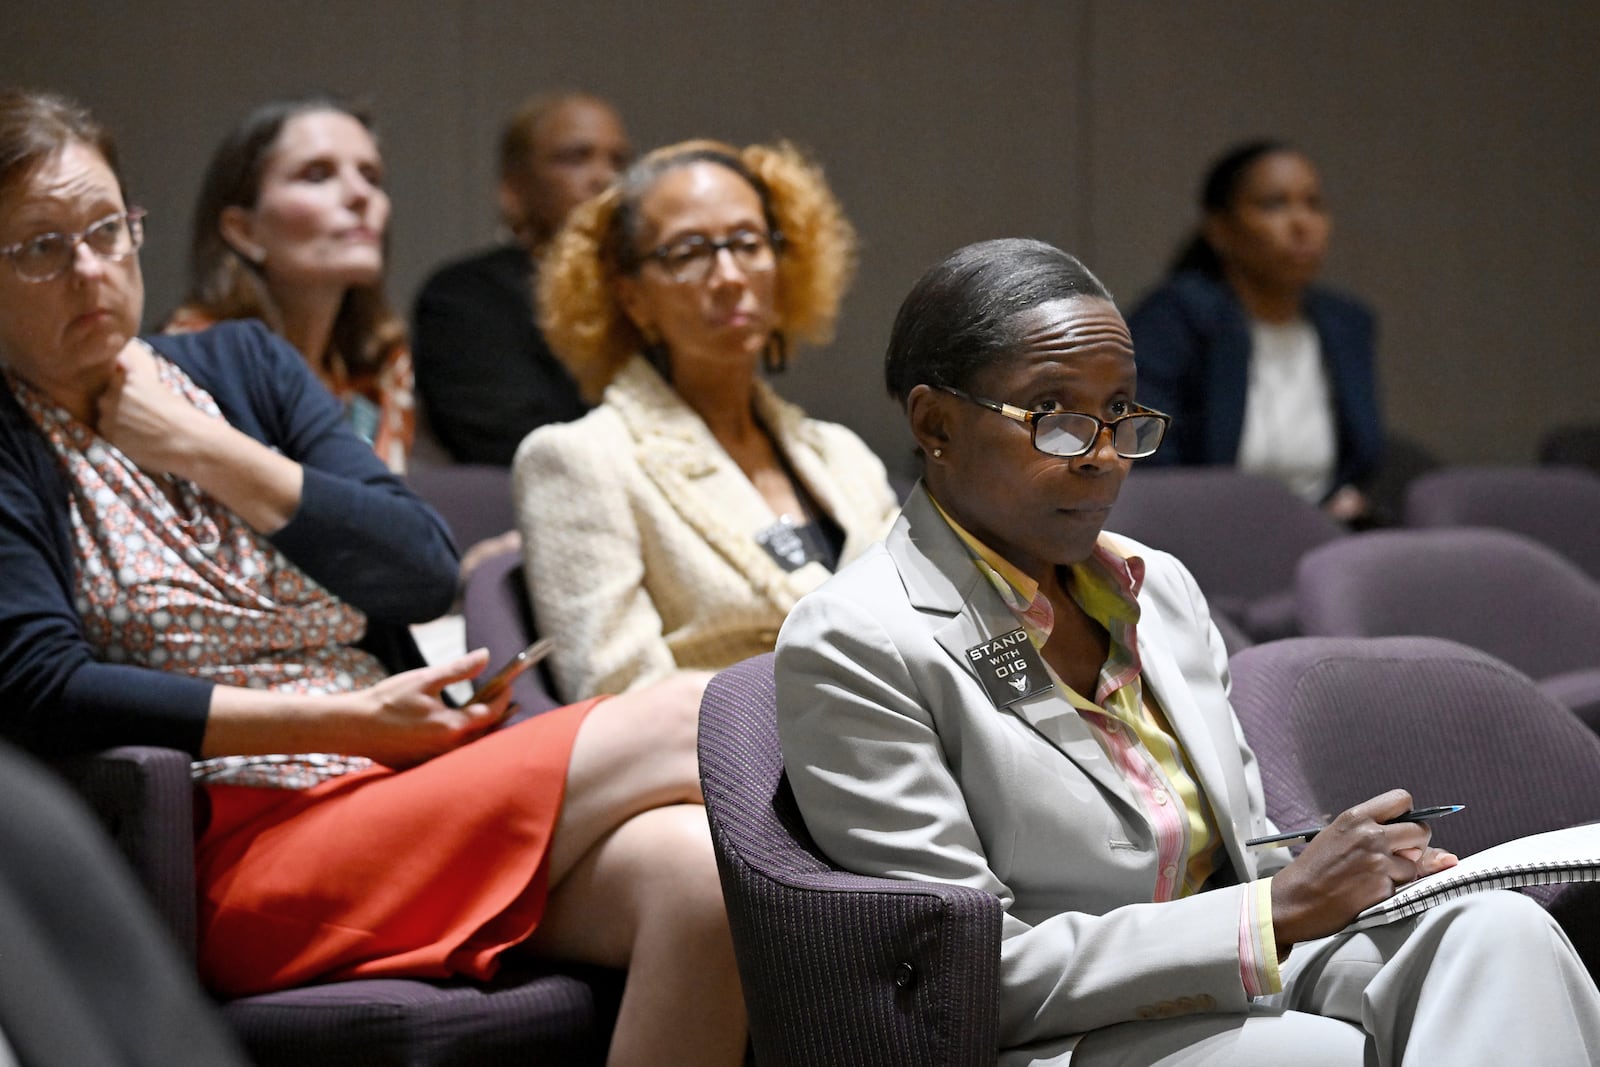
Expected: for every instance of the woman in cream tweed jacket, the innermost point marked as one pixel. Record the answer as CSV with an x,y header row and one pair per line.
x,y
675,525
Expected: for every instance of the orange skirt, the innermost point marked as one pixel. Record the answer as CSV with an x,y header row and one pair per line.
x,y
425,873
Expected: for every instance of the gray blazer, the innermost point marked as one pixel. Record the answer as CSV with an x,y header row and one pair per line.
x,y
904,767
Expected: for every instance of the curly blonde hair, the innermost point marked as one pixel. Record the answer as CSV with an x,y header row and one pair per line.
x,y
579,312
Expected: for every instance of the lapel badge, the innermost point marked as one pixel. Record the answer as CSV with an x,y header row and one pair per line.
x,y
1009,667
785,544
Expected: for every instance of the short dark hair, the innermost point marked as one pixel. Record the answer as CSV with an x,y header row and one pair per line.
x,y
519,137
1218,191
34,126
961,316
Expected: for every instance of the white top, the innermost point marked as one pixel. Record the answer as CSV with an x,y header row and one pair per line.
x,y
1289,430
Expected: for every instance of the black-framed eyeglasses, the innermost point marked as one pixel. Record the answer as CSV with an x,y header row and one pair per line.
x,y
692,258
1070,434
50,255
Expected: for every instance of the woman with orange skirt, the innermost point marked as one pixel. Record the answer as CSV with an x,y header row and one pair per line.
x,y
199,553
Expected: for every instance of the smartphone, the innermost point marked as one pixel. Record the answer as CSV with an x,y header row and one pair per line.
x,y
501,680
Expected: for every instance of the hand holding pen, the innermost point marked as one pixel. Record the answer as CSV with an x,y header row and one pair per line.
x,y
1353,862
1414,815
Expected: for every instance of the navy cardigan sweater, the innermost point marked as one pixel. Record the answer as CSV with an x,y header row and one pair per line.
x,y
358,531
1191,342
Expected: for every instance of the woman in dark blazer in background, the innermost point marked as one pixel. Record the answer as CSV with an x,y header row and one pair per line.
x,y
1258,367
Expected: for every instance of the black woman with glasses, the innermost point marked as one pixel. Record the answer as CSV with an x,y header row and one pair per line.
x,y
1003,696
674,526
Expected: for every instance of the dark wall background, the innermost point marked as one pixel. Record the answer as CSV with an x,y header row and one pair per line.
x,y
1458,143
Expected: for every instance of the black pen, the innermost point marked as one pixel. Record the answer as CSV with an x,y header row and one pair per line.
x,y
1414,815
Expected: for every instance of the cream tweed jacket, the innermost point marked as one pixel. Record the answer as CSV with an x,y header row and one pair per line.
x,y
638,533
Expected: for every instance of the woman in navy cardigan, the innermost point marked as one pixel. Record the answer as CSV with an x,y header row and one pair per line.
x,y
199,552
1258,367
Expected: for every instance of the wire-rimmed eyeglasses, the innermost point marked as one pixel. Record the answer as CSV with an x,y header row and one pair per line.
x,y
692,258
1070,434
50,255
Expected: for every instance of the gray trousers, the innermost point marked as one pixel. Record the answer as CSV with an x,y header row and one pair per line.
x,y
1486,979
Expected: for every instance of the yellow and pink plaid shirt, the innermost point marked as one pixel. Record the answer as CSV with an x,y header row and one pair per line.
x,y
1136,737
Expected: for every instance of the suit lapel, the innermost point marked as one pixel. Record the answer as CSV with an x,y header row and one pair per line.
x,y
1228,384
700,481
1198,738
802,450
940,579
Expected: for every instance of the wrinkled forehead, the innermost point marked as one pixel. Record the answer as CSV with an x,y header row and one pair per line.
x,y
1063,342
1077,326
74,172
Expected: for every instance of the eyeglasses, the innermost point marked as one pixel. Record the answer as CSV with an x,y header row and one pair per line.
x,y
693,258
50,255
1070,434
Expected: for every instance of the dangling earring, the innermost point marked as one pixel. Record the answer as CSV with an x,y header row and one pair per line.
x,y
775,357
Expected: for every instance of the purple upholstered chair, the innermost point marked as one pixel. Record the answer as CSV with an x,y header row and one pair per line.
x,y
474,499
1556,506
1334,721
1240,534
1574,445
1494,590
497,615
532,1013
837,968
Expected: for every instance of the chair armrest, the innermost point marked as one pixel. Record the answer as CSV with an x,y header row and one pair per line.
x,y
843,968
1578,690
497,614
145,798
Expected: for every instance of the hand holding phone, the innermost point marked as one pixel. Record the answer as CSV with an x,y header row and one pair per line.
x,y
498,682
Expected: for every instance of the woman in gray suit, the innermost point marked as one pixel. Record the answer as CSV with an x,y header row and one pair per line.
x,y
1004,696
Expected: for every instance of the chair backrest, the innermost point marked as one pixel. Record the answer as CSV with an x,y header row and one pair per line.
x,y
1577,445
1234,639
1240,534
1492,589
1335,721
1405,459
497,614
1556,506
753,802
836,967
474,499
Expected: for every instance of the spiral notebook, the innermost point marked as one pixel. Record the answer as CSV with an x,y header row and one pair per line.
x,y
1570,855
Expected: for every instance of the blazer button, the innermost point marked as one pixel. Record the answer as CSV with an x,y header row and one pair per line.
x,y
905,975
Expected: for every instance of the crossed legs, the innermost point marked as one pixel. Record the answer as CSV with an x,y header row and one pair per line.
x,y
634,880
